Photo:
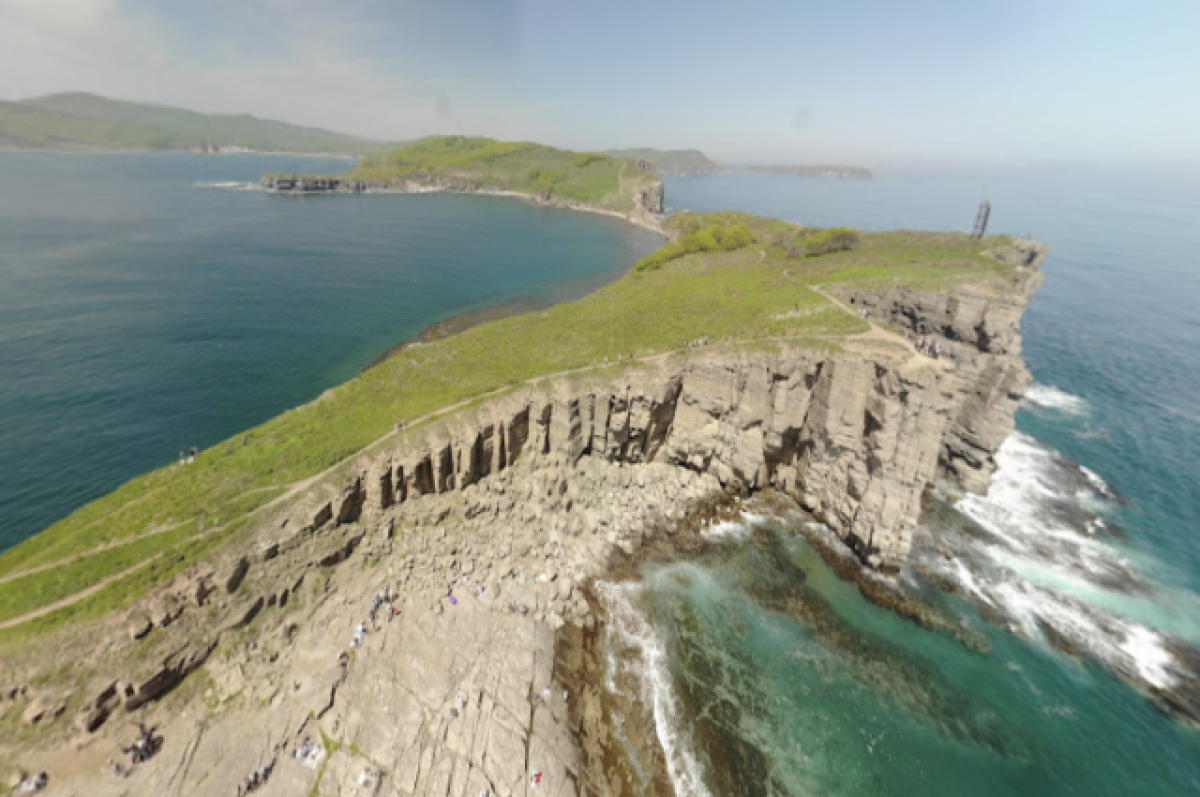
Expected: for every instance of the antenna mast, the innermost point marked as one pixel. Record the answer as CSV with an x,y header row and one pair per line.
x,y
981,219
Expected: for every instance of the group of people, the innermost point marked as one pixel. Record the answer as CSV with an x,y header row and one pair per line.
x,y
383,599
308,752
400,424
697,343
191,455
143,747
256,779
381,603
31,784
367,777
929,347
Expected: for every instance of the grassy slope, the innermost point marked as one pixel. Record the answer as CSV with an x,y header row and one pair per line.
x,y
720,295
86,120
672,161
596,180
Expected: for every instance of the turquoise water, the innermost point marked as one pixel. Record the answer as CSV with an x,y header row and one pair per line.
x,y
784,680
149,303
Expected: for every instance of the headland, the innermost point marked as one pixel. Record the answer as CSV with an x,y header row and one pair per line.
x,y
390,590
627,188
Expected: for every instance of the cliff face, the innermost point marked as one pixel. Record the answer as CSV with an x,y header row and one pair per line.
x,y
854,440
979,330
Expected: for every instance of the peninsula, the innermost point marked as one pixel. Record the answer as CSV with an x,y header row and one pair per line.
x,y
625,187
390,590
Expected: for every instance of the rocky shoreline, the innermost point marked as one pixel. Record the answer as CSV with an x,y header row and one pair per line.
x,y
648,204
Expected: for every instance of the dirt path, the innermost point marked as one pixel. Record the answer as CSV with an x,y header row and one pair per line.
x,y
75,598
881,333
115,543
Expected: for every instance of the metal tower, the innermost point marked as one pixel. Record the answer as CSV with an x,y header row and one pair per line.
x,y
981,219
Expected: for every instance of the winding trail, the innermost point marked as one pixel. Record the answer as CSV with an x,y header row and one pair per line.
x,y
76,597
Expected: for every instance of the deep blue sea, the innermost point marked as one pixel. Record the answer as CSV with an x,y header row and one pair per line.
x,y
767,675
149,303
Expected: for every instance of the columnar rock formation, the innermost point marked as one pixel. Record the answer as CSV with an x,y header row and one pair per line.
x,y
856,439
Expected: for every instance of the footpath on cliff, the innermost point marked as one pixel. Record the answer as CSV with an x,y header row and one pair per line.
x,y
394,623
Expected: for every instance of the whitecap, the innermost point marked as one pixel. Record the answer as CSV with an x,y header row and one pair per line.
x,y
228,185
1149,655
1034,555
1046,397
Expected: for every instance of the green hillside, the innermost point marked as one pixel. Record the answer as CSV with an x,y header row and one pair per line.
x,y
87,121
673,162
594,179
741,280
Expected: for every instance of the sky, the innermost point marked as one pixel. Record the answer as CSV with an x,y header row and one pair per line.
x,y
868,82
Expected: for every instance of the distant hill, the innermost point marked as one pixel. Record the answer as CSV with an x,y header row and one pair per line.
x,y
86,121
672,162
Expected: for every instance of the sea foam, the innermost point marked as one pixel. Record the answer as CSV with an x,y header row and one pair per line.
x,y
1043,564
1046,397
629,629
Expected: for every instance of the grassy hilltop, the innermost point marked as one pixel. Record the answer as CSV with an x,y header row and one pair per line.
x,y
596,180
727,276
88,121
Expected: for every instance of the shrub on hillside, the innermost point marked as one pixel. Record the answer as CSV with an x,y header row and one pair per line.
x,y
821,242
709,239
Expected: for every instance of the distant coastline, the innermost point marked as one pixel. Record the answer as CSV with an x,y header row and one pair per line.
x,y
821,172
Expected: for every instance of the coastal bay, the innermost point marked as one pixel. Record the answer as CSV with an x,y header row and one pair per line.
x,y
157,302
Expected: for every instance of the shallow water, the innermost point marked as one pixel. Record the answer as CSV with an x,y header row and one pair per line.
x,y
789,682
149,303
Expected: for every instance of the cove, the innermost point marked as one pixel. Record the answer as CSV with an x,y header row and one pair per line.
x,y
150,303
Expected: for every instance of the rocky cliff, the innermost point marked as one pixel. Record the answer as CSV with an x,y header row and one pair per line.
x,y
399,614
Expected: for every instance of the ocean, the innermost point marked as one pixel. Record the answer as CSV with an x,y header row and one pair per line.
x,y
1078,572
153,302
150,303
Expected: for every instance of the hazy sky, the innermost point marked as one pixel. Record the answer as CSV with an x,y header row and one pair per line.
x,y
862,81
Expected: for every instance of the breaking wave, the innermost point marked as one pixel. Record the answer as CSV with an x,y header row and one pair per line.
x,y
735,530
1045,397
631,631
229,185
1038,553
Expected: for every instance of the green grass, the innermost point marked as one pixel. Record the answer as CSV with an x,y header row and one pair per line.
x,y
715,294
30,592
589,178
124,591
